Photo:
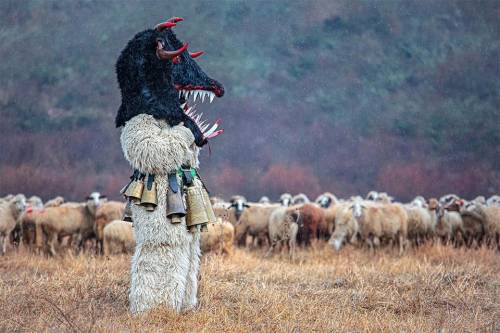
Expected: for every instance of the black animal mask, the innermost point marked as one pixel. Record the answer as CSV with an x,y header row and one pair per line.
x,y
157,76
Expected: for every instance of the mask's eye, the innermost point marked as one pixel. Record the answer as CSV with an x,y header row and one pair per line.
x,y
176,60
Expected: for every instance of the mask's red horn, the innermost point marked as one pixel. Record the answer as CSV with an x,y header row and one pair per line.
x,y
164,25
196,54
164,54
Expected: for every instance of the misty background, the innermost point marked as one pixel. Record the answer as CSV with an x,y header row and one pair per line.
x,y
340,96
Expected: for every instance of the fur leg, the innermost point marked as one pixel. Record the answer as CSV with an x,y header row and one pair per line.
x,y
191,296
158,276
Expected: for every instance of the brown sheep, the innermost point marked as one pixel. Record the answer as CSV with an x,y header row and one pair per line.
x,y
9,213
118,237
253,223
283,229
381,222
312,223
67,220
107,212
219,238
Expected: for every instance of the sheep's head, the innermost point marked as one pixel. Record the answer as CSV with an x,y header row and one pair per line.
x,y
493,200
34,203
300,199
95,200
293,215
326,199
158,76
357,209
448,199
18,203
239,203
372,195
286,199
264,200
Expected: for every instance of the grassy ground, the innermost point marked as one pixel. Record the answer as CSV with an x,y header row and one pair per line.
x,y
434,288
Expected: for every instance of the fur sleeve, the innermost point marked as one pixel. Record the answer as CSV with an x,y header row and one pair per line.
x,y
152,149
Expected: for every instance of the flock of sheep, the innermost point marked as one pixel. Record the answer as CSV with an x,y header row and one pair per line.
x,y
294,220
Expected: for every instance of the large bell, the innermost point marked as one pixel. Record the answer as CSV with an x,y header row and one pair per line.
x,y
196,206
134,190
149,198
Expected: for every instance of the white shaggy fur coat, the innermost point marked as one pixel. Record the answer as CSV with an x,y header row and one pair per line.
x,y
166,261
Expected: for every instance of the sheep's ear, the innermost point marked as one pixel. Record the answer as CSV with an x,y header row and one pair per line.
x,y
88,197
103,196
246,205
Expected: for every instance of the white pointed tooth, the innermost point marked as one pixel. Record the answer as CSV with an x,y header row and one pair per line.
x,y
183,105
212,129
203,96
203,126
212,95
180,93
196,93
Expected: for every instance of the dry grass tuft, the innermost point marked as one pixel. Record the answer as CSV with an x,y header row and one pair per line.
x,y
430,289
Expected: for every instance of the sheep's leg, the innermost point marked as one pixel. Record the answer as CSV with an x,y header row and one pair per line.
x,y
52,241
271,248
106,248
3,244
291,249
401,244
369,242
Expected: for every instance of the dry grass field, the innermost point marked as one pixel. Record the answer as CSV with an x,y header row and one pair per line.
x,y
430,289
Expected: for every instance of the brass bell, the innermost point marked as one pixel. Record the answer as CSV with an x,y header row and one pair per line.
x,y
208,207
134,177
175,206
196,206
149,199
134,190
127,214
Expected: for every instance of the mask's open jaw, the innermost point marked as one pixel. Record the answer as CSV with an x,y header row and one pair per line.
x,y
209,131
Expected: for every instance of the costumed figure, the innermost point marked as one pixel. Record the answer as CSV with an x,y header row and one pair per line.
x,y
161,137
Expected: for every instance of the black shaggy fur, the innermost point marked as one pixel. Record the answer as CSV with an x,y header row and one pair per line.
x,y
148,84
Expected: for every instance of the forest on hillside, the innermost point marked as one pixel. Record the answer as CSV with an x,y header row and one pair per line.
x,y
340,96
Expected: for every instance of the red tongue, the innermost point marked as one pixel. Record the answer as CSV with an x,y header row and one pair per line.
x,y
29,210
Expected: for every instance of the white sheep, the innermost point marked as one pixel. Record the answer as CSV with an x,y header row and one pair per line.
x,y
9,213
283,228
118,236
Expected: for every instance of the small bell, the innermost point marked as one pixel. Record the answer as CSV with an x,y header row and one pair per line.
x,y
148,198
127,214
134,190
